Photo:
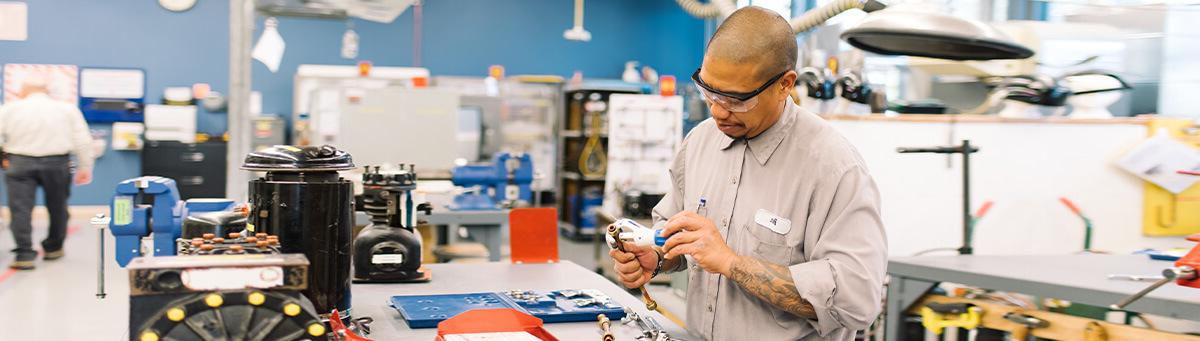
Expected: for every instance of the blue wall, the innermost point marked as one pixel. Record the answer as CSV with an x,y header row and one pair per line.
x,y
460,37
173,49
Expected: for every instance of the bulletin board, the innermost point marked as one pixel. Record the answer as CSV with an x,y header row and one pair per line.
x,y
63,80
1165,213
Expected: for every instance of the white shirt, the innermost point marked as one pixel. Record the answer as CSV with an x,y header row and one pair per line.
x,y
42,126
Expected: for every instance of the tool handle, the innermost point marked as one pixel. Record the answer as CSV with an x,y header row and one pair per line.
x,y
659,239
983,210
1071,205
1121,305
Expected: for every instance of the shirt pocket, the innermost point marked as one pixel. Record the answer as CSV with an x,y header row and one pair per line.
x,y
768,245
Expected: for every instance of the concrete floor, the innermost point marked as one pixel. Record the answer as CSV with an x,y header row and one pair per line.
x,y
57,301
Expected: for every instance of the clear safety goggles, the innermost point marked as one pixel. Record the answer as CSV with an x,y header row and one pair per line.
x,y
733,101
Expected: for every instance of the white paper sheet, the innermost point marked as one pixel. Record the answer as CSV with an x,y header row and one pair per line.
x,y
269,49
14,21
1159,158
171,123
112,83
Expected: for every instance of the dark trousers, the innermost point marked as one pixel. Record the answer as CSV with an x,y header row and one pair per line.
x,y
25,174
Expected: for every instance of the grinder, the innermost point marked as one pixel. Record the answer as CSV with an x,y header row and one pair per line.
x,y
302,200
389,250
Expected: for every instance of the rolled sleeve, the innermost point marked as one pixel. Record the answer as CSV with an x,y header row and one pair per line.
x,y
843,279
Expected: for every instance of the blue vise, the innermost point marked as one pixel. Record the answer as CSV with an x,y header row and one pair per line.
x,y
149,206
506,179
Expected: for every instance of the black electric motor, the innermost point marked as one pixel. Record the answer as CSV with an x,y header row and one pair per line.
x,y
302,200
389,250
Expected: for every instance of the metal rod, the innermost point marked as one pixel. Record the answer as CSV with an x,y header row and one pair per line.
x,y
966,189
1169,275
100,221
1140,294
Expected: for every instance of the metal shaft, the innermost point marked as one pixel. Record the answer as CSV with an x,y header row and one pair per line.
x,y
100,221
966,188
1168,276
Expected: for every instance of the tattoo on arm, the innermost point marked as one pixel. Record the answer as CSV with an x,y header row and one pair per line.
x,y
772,283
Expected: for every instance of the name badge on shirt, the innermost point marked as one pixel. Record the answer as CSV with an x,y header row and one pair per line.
x,y
773,222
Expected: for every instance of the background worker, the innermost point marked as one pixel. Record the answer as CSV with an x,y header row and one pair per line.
x,y
788,244
39,133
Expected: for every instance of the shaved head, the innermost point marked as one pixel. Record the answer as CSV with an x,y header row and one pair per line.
x,y
757,36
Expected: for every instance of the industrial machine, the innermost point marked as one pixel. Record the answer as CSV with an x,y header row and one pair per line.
x,y
147,216
278,269
221,298
389,250
302,199
502,183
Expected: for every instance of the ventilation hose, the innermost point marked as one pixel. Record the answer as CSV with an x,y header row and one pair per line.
x,y
711,9
817,16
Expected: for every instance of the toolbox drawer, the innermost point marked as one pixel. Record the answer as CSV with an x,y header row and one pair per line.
x,y
197,168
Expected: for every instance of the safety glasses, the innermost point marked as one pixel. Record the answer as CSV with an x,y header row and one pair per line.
x,y
733,101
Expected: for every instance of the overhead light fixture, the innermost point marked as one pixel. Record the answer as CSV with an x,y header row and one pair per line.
x,y
905,32
933,35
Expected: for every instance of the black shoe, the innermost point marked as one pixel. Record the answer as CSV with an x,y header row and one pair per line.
x,y
53,255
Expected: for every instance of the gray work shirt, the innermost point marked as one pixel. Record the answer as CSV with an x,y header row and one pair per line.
x,y
803,171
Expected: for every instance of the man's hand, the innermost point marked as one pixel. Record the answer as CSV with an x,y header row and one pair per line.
x,y
634,267
4,164
83,176
695,235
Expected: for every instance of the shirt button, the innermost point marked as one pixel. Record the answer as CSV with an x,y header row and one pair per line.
x,y
710,308
725,222
733,180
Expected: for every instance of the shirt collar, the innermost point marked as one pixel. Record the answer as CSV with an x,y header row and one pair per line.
x,y
765,144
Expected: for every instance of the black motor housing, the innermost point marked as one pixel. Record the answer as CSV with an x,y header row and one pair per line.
x,y
304,201
389,250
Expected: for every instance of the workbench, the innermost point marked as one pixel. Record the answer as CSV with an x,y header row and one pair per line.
x,y
1081,278
453,278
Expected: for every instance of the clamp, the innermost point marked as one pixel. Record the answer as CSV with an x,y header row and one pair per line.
x,y
937,316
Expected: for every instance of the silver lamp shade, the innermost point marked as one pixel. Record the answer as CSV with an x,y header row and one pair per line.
x,y
933,35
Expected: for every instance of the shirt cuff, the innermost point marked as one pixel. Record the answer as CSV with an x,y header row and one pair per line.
x,y
817,283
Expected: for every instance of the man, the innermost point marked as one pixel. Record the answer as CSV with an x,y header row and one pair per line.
x,y
38,134
774,211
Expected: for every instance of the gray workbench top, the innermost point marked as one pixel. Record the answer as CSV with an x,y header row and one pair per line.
x,y
372,299
1081,278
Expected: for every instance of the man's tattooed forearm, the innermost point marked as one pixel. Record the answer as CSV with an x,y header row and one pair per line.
x,y
772,283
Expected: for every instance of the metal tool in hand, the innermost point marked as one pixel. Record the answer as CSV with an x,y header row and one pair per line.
x,y
615,241
100,221
1168,275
